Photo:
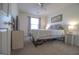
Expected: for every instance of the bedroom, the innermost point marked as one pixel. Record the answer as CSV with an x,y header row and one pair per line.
x,y
46,14
45,29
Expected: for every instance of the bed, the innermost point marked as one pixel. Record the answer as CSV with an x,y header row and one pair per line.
x,y
47,34
53,31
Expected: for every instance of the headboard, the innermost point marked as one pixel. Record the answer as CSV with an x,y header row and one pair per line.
x,y
57,26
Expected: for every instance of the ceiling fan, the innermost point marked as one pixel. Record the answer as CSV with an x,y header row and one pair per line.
x,y
42,7
41,4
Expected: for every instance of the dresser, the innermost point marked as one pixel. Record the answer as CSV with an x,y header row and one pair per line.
x,y
72,39
5,41
17,39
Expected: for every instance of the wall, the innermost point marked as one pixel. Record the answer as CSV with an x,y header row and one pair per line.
x,y
43,22
70,13
24,19
13,9
23,23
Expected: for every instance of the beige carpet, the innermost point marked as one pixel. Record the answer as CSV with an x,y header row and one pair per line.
x,y
48,48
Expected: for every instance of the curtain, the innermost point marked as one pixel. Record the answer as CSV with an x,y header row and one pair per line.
x,y
39,23
29,25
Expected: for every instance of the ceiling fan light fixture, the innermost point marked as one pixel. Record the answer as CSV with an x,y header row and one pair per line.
x,y
41,4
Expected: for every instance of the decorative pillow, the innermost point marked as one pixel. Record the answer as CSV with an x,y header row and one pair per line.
x,y
57,26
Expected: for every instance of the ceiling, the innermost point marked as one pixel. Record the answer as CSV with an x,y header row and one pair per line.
x,y
36,9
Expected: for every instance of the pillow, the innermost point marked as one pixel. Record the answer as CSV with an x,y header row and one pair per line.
x,y
57,26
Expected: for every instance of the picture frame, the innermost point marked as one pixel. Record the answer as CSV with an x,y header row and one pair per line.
x,y
57,18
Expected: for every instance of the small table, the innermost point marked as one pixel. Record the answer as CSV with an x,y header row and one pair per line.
x,y
70,38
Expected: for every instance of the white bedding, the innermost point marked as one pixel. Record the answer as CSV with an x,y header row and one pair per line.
x,y
46,34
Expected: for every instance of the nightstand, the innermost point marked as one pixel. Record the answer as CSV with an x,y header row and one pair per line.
x,y
71,38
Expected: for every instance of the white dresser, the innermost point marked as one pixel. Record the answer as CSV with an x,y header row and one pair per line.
x,y
5,41
72,39
17,39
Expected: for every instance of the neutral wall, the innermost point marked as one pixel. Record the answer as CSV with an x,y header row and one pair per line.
x,y
23,23
70,13
13,9
43,22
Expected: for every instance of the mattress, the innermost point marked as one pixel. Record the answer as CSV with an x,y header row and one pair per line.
x,y
45,34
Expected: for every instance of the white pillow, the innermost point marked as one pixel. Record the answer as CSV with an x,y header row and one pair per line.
x,y
56,25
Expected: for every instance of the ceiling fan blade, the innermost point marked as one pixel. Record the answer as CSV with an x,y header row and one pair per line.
x,y
41,4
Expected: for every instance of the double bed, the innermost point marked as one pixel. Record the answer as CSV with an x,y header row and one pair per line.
x,y
53,31
47,34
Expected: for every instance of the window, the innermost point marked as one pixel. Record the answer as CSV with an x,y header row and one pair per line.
x,y
34,23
